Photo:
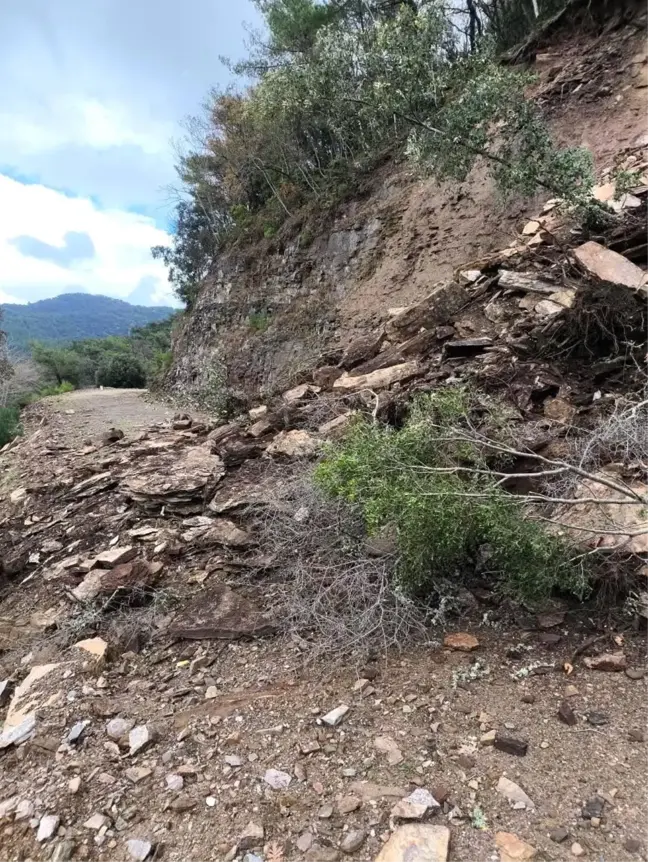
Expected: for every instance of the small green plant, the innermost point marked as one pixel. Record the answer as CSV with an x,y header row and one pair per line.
x,y
449,517
9,424
269,230
60,389
625,179
478,818
259,321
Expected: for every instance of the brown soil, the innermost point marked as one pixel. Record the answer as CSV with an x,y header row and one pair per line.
x,y
90,412
593,91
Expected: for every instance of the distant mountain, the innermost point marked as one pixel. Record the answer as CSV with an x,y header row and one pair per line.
x,y
73,316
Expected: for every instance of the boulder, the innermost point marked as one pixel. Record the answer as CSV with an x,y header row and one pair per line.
x,y
256,413
337,426
611,267
115,556
627,521
136,576
111,436
362,349
300,393
181,421
260,428
419,345
326,376
293,444
219,612
436,309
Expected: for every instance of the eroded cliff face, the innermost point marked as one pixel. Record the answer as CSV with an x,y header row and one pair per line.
x,y
273,309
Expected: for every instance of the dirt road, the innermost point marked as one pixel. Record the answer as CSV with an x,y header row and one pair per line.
x,y
89,412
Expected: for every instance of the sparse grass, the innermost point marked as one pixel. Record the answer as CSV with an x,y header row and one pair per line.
x,y
60,389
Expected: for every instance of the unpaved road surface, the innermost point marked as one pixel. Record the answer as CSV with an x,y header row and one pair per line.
x,y
90,412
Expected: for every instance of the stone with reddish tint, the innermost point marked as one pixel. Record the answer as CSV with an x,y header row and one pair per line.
x,y
461,641
417,841
513,849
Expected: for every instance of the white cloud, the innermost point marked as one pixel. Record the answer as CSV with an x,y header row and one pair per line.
x,y
80,121
122,242
7,297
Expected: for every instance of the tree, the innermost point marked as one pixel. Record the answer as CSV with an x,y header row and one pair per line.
x,y
339,84
60,363
122,372
195,242
293,24
6,368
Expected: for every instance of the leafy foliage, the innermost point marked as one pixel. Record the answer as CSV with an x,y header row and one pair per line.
x,y
123,372
194,245
9,424
121,361
446,523
338,83
74,316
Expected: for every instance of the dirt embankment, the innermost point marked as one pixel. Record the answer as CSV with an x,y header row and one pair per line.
x,y
272,309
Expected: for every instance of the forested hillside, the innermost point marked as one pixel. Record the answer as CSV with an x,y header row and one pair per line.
x,y
74,316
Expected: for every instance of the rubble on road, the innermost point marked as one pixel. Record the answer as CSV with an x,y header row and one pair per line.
x,y
177,482
219,613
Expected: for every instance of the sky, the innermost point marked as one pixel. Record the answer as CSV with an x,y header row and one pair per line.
x,y
93,95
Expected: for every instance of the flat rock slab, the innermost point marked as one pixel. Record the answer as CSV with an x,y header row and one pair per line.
x,y
380,379
135,576
219,612
514,793
461,641
219,531
179,481
417,843
609,266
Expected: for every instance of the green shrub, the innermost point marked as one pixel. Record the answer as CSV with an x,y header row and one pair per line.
x,y
9,424
122,372
60,389
259,321
446,522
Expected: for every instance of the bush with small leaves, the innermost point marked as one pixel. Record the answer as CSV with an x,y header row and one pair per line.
x,y
450,520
